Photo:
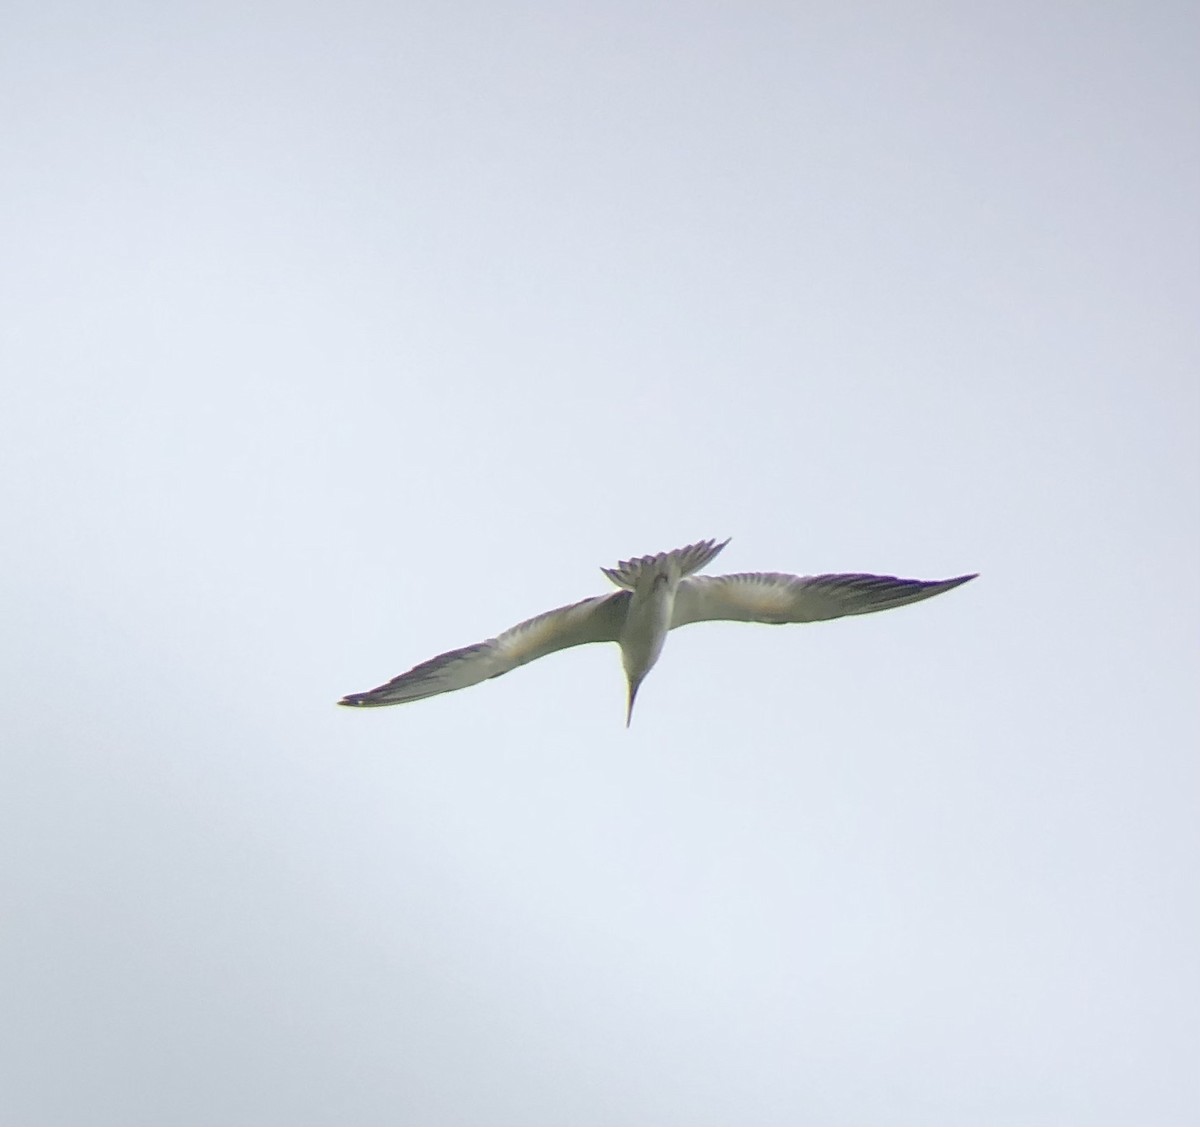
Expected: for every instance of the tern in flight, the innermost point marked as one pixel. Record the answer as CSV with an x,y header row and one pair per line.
x,y
657,593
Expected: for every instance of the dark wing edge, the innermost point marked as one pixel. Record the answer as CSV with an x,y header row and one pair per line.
x,y
776,598
865,594
597,619
429,678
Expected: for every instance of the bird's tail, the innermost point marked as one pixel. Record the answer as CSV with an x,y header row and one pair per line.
x,y
689,559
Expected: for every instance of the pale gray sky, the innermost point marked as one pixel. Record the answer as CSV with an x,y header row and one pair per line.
x,y
338,335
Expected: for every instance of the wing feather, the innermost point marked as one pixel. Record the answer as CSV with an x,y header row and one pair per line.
x,y
774,598
592,620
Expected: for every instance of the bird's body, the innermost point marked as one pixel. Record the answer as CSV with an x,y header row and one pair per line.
x,y
657,594
648,618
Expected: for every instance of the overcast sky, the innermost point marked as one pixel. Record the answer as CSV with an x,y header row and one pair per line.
x,y
338,335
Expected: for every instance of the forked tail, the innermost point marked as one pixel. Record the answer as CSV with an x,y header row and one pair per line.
x,y
689,559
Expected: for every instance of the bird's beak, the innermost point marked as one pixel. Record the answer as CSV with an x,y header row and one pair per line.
x,y
633,688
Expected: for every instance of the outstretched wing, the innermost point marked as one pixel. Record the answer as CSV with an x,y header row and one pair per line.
x,y
593,620
770,597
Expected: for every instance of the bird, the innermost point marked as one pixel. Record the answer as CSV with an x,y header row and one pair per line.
x,y
655,594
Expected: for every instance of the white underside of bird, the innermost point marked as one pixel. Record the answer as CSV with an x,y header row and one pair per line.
x,y
657,594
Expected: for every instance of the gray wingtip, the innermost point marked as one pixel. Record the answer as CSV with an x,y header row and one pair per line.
x,y
361,700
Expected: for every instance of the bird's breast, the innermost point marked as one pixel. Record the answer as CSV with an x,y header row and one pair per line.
x,y
646,626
